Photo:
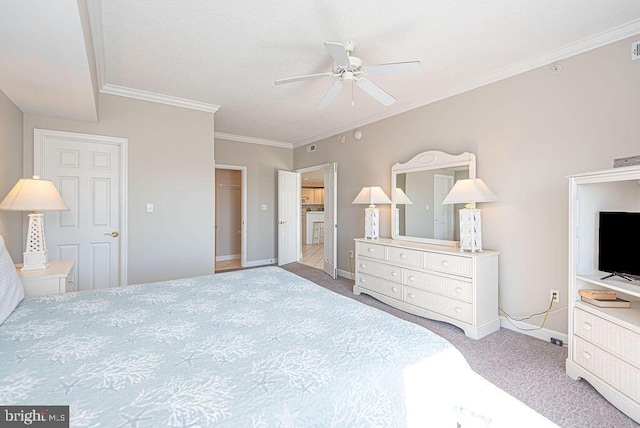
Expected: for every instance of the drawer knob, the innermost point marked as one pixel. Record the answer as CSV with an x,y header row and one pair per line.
x,y
445,263
458,310
362,265
586,326
361,279
370,250
412,278
411,295
394,289
586,355
403,256
394,273
458,289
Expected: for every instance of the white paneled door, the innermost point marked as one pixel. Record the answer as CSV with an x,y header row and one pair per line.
x,y
443,221
288,210
87,170
330,219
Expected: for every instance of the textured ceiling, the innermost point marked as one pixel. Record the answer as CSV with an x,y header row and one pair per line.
x,y
229,53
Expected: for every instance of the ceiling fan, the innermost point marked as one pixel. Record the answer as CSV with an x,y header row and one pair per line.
x,y
349,69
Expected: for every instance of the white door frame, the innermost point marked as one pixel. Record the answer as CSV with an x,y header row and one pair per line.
x,y
450,219
243,238
39,140
335,230
280,222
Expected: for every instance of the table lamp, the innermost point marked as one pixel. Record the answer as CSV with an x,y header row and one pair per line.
x,y
469,192
400,198
371,196
34,194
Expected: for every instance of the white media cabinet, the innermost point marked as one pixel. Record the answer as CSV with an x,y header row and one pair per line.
x,y
432,281
604,343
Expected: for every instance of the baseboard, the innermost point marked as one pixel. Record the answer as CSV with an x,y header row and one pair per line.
x,y
345,274
265,262
226,258
543,333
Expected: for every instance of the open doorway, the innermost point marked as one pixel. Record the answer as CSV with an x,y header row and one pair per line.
x,y
230,221
312,216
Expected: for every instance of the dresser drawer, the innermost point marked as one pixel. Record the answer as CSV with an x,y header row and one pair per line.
x,y
607,335
371,250
405,257
457,289
456,265
443,305
381,270
381,286
614,371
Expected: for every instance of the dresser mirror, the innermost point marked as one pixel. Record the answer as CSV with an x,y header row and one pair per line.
x,y
418,188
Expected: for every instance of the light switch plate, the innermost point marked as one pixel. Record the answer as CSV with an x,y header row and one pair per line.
x,y
149,208
263,207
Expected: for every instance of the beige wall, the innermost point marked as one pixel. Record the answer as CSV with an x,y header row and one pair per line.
x,y
170,165
10,172
263,163
529,132
228,213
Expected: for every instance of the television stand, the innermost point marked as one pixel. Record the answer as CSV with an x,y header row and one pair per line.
x,y
621,275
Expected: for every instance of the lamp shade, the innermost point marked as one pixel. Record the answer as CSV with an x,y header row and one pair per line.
x,y
401,198
33,194
372,196
469,190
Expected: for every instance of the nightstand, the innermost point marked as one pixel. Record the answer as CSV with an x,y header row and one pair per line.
x,y
56,278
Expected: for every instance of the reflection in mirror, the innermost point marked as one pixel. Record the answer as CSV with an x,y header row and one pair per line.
x,y
420,187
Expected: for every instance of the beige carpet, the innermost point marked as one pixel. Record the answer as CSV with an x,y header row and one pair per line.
x,y
529,369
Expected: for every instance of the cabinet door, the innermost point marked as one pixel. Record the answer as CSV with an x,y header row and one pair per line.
x,y
318,196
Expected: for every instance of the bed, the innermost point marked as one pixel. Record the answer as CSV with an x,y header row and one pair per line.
x,y
253,348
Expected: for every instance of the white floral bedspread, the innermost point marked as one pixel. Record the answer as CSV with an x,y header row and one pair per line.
x,y
252,348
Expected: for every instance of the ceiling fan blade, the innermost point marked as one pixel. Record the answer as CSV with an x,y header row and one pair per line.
x,y
331,94
394,68
339,54
376,92
307,77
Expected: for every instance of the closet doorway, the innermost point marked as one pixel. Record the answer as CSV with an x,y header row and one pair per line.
x,y
231,200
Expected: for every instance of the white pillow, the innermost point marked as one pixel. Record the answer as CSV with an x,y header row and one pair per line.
x,y
11,290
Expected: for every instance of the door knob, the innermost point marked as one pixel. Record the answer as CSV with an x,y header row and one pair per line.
x,y
112,234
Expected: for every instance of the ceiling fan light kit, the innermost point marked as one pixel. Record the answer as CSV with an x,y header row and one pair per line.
x,y
349,69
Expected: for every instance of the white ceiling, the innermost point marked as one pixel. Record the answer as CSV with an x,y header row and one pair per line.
x,y
228,54
44,63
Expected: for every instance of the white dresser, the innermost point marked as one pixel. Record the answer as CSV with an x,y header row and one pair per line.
x,y
604,343
431,281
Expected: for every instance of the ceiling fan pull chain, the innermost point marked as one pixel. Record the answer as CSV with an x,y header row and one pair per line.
x,y
353,103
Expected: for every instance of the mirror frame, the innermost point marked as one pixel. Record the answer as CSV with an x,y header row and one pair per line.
x,y
431,159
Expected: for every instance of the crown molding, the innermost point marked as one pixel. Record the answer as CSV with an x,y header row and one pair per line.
x,y
158,98
252,140
596,41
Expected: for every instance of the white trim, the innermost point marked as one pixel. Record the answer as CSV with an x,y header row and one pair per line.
x,y
252,140
345,274
312,168
39,136
243,238
264,262
158,98
94,7
227,258
543,333
598,40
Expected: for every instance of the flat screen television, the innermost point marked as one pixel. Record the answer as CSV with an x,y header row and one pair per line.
x,y
619,251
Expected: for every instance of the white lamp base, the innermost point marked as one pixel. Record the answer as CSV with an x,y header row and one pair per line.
x,y
371,223
470,230
35,255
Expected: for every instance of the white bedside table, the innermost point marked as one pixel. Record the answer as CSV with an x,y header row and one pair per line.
x,y
56,278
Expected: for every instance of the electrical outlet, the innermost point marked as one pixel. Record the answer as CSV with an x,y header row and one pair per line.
x,y
555,296
350,254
